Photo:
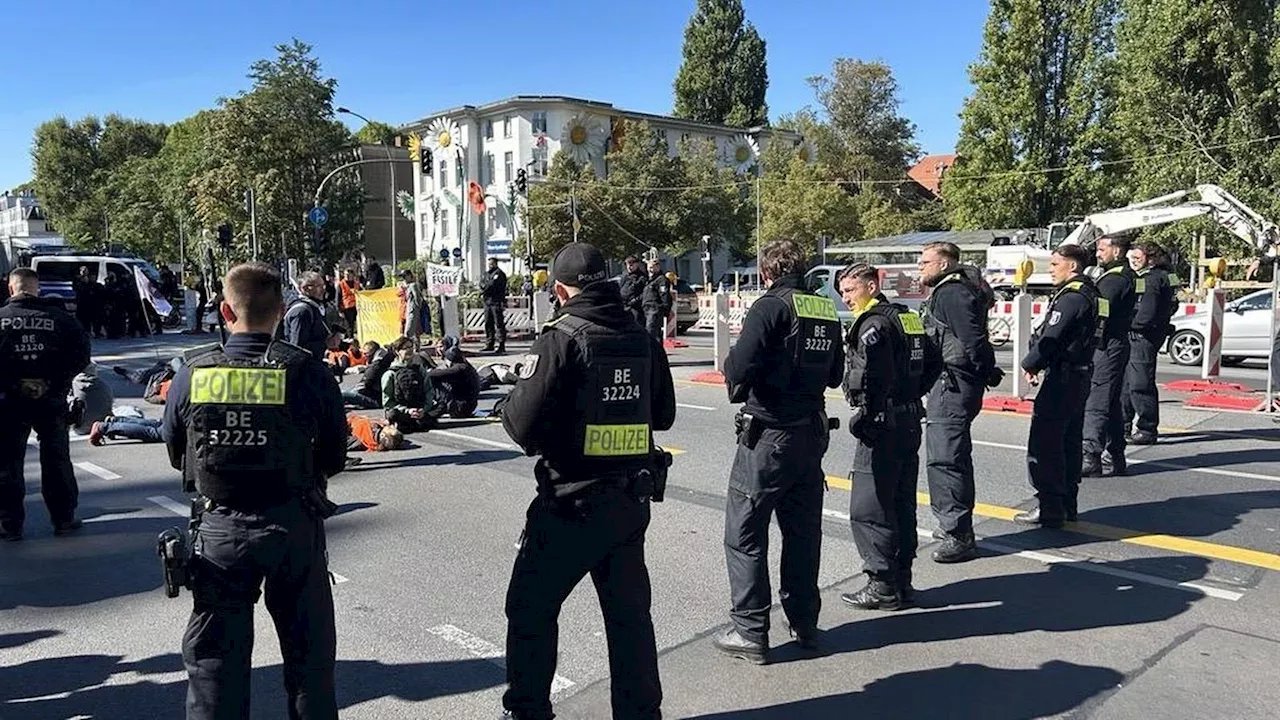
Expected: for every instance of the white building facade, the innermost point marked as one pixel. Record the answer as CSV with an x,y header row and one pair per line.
x,y
21,216
490,143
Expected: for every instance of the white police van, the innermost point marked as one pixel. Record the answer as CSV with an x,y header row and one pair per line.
x,y
57,273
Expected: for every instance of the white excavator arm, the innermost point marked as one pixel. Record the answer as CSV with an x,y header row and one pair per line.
x,y
1225,209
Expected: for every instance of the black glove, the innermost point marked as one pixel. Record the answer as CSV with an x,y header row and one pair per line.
x,y
995,377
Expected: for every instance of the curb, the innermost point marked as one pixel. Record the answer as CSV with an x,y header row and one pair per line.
x,y
1007,403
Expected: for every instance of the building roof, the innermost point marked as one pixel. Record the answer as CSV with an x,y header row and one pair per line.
x,y
604,108
928,171
913,242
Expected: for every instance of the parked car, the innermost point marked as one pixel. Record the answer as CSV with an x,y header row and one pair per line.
x,y
1246,332
686,306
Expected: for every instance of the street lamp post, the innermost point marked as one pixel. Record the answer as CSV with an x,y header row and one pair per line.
x,y
391,199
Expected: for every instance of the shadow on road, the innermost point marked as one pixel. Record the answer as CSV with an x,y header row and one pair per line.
x,y
13,640
470,457
960,691
1193,515
1193,436
1151,466
73,686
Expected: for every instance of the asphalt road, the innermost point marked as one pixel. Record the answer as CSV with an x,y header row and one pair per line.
x,y
1162,601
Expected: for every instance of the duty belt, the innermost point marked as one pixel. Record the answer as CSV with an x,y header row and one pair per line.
x,y
913,406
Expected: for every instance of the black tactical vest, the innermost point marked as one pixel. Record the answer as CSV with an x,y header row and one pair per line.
x,y
1086,338
245,448
907,342
953,350
612,428
28,348
1120,312
811,344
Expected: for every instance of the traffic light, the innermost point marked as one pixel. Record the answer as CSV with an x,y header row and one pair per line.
x,y
425,159
522,182
224,236
511,195
319,241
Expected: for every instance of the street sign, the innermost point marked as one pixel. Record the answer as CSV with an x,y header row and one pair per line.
x,y
318,216
457,252
498,247
444,254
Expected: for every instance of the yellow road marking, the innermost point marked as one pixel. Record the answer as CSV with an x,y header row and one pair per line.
x,y
674,451
1158,541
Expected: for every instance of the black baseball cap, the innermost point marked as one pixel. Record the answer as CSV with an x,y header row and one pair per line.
x,y
578,265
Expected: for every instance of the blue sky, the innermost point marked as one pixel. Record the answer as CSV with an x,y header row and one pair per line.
x,y
398,61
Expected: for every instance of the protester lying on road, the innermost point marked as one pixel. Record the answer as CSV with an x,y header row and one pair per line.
x,y
372,434
115,427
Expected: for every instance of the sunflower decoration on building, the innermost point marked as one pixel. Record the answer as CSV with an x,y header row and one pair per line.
x,y
582,138
740,153
445,137
806,150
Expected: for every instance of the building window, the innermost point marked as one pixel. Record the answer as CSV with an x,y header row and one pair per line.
x,y
540,161
506,126
539,122
492,218
488,129
684,138
444,224
443,177
488,178
460,171
661,134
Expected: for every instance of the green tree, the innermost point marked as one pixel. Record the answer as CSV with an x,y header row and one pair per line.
x,y
548,208
637,219
1042,99
1197,82
724,77
377,133
717,202
861,104
281,139
802,201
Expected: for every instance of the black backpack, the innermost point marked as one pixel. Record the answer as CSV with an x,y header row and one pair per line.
x,y
410,390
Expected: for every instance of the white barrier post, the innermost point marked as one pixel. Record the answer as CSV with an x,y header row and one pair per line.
x,y
721,329
541,310
1211,355
1021,342
449,316
1273,360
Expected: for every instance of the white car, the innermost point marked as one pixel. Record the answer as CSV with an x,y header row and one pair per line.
x,y
1246,332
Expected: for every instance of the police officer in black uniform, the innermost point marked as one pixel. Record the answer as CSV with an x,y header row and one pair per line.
x,y
1062,349
257,427
1104,439
1156,303
656,299
493,289
590,394
632,284
41,350
890,364
955,316
789,351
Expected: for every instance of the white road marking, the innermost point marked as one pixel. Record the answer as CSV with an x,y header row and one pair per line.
x,y
1080,564
471,438
73,437
98,470
694,407
173,507
339,579
486,650
1168,465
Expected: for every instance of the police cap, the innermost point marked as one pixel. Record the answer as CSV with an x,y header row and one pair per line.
x,y
578,265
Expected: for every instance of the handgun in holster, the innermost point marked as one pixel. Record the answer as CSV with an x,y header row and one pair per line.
x,y
315,500
175,549
749,429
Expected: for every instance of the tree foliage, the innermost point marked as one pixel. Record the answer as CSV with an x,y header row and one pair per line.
x,y
377,133
724,77
860,100
1042,99
799,200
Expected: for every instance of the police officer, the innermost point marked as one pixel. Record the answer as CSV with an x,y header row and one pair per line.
x,y
257,427
41,349
632,284
788,352
890,365
1150,328
1104,439
591,392
493,289
1062,349
656,299
955,316
304,323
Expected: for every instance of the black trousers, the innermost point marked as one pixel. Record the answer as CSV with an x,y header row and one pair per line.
x,y
1103,410
638,314
495,324
600,531
236,553
349,315
1054,448
954,402
1140,399
782,474
653,323
57,479
882,503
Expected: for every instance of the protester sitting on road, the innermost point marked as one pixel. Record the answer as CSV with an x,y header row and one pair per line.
x,y
89,401
368,395
456,380
372,434
407,392
351,356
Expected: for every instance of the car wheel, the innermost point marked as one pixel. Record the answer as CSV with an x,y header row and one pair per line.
x,y
1186,347
1233,361
682,328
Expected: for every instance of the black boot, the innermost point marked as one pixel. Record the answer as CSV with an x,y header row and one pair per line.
x,y
956,548
806,638
733,644
1114,465
1142,437
1034,517
1091,466
875,595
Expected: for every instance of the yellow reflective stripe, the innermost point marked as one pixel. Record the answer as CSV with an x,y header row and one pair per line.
x,y
911,323
1116,269
872,303
616,440
814,307
237,386
1074,285
1140,285
1104,307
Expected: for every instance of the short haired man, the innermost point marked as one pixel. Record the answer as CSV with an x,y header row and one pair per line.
x,y
1104,436
304,323
1156,303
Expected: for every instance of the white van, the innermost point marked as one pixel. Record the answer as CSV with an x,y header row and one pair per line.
x,y
58,272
